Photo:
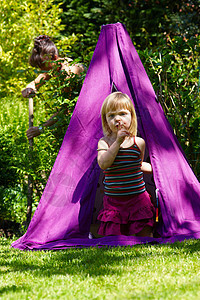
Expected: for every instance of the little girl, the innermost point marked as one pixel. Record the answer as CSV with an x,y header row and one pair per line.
x,y
44,56
127,205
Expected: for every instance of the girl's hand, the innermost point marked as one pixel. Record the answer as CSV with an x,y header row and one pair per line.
x,y
32,132
122,133
27,92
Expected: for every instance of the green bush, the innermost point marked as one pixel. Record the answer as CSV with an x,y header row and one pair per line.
x,y
174,72
13,204
15,164
60,94
20,22
147,21
17,160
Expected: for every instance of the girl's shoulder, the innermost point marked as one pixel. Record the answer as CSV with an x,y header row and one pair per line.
x,y
140,143
139,139
65,62
103,143
71,67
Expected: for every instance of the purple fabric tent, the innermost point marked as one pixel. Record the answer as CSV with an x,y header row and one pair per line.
x,y
64,214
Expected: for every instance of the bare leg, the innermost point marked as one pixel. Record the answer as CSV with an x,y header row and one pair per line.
x,y
146,231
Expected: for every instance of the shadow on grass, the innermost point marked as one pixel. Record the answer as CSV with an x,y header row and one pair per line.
x,y
188,246
90,261
13,289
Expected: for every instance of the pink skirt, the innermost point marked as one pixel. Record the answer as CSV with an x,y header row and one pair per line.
x,y
126,215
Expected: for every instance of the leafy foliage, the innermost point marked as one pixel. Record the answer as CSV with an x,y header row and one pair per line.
x,y
174,71
60,94
14,159
17,161
20,22
147,22
13,204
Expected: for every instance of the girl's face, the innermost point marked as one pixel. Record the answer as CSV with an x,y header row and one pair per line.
x,y
46,66
47,63
118,118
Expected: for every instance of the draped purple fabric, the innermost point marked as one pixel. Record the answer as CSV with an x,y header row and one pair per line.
x,y
64,214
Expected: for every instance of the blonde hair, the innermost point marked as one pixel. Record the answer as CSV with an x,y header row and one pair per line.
x,y
114,101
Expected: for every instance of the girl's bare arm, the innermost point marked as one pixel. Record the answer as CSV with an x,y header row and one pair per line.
x,y
106,155
146,168
34,85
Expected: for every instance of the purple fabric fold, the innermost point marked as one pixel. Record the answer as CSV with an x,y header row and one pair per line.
x,y
63,216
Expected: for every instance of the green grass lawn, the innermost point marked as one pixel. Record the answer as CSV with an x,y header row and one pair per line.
x,y
170,271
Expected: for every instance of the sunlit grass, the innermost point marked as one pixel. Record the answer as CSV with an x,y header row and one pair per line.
x,y
141,272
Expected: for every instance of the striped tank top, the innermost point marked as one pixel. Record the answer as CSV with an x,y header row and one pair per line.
x,y
124,177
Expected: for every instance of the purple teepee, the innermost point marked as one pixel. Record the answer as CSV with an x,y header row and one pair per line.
x,y
64,214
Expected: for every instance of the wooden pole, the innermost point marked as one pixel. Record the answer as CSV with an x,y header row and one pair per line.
x,y
30,178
